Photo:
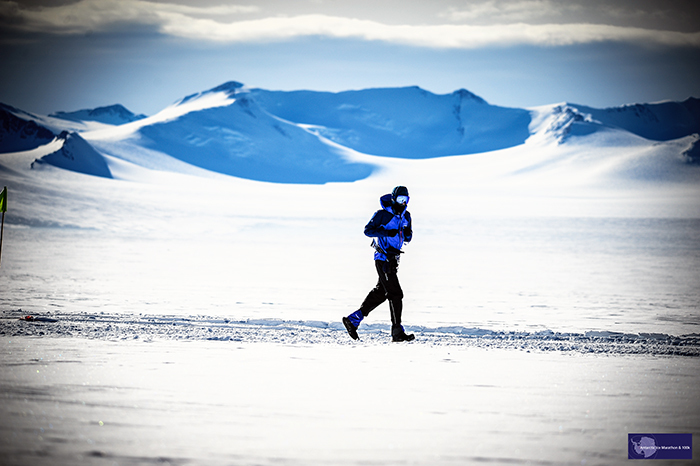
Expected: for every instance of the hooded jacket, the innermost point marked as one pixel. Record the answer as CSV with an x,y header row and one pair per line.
x,y
388,247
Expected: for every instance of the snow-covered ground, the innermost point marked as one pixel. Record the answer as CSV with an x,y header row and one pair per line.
x,y
86,401
195,316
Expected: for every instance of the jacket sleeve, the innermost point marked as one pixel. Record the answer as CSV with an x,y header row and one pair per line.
x,y
408,229
375,227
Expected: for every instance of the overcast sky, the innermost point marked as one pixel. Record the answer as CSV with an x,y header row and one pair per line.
x,y
72,54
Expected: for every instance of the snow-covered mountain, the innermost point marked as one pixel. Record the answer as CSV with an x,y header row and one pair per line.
x,y
404,122
18,131
225,130
319,137
76,154
659,122
112,115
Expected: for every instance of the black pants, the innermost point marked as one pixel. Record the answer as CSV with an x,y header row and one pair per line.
x,y
388,288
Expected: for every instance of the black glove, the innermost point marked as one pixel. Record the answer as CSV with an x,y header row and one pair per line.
x,y
392,232
392,252
406,232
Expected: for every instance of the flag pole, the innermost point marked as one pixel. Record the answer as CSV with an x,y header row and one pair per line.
x,y
3,208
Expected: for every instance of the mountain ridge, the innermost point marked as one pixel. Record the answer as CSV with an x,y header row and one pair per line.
x,y
311,136
115,114
679,118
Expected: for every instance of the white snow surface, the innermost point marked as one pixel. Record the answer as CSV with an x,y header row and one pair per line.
x,y
193,317
85,401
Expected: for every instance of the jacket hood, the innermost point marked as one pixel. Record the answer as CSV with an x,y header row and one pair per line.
x,y
386,202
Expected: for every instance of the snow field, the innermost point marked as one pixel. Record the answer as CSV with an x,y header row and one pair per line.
x,y
170,243
204,402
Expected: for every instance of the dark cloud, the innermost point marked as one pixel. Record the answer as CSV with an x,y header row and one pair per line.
x,y
42,3
137,64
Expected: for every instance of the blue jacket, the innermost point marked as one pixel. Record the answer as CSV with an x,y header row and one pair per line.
x,y
383,220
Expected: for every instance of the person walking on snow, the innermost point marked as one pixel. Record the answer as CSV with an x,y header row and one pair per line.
x,y
390,227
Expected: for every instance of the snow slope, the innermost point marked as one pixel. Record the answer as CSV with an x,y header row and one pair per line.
x,y
76,155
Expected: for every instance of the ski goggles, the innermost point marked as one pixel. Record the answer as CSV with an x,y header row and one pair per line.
x,y
403,200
